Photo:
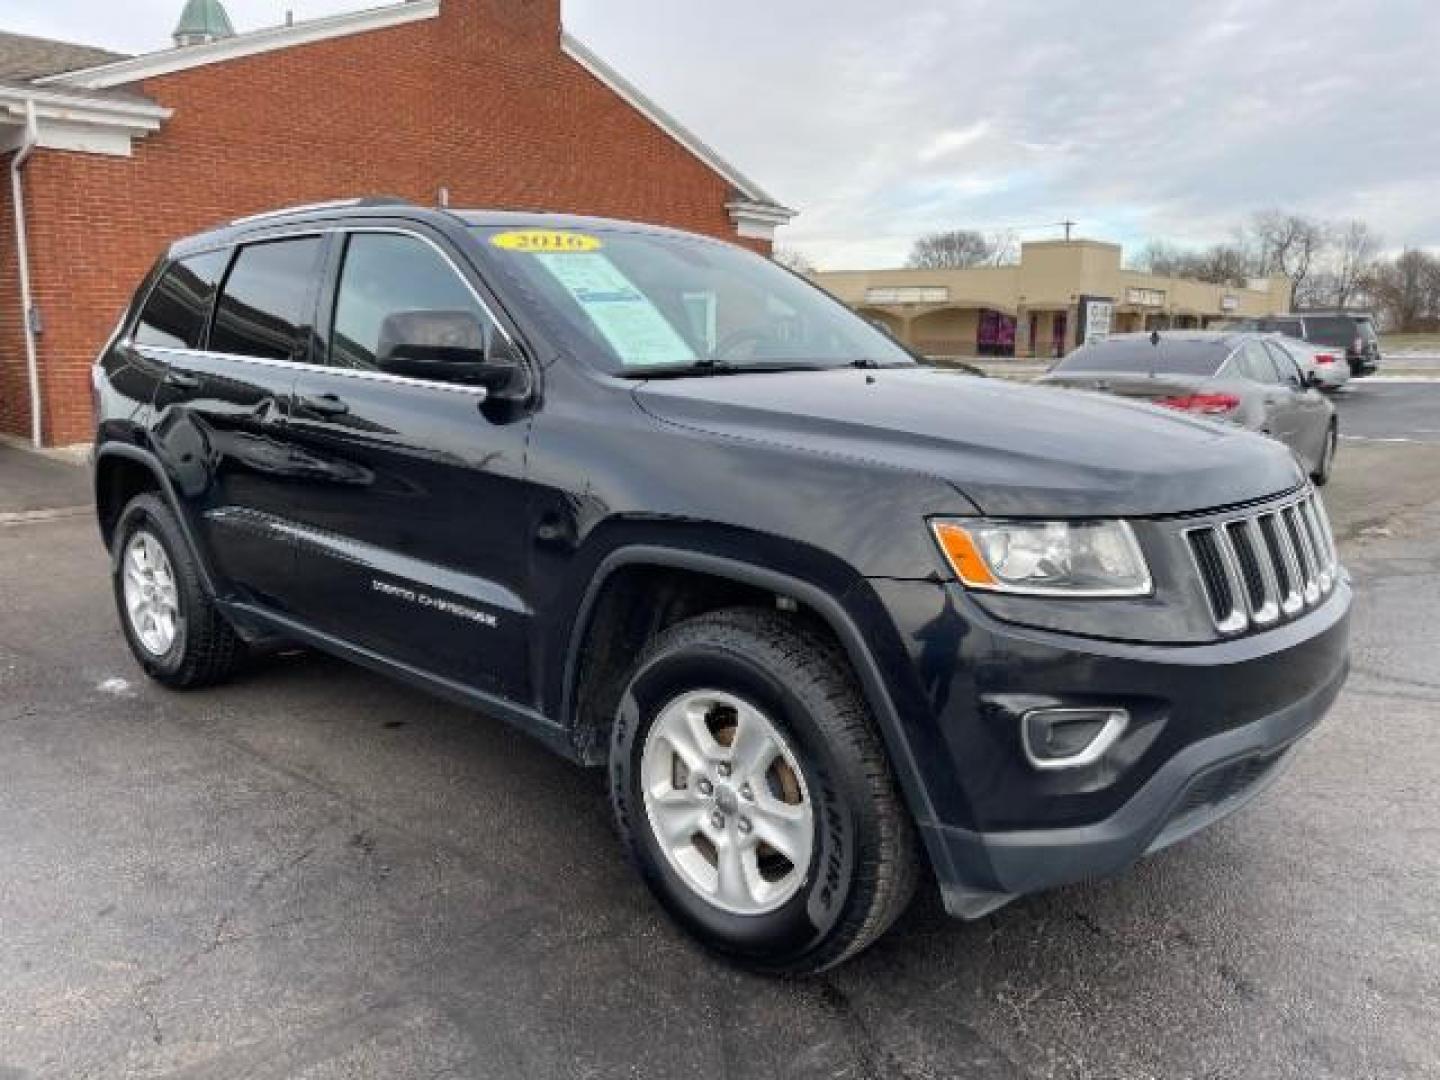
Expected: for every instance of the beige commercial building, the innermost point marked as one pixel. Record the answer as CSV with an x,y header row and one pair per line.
x,y
1060,293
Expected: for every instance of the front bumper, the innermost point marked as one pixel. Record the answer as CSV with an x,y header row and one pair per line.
x,y
1205,782
1212,726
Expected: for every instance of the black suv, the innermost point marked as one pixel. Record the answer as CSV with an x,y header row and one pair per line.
x,y
829,618
1353,331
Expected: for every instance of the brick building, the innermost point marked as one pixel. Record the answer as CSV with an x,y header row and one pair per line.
x,y
471,102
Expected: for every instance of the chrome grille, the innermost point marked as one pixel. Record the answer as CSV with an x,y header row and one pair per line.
x,y
1262,568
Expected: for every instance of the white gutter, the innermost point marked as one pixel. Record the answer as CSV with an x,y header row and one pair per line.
x,y
22,259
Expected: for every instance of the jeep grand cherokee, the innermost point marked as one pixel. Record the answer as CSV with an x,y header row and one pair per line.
x,y
828,618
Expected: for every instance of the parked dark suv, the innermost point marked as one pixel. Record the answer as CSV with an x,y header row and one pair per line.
x,y
829,618
1353,331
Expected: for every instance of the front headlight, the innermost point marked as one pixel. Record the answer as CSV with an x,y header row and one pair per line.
x,y
1045,558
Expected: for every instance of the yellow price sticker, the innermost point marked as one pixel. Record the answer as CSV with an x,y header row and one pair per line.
x,y
546,241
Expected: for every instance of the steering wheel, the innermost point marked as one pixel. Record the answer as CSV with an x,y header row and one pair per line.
x,y
736,338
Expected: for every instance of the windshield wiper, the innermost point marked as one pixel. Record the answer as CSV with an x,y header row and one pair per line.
x,y
721,367
874,365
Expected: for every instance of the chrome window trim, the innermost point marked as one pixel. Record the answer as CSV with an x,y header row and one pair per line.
x,y
322,369
328,369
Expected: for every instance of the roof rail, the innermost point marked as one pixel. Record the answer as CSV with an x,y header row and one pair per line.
x,y
332,204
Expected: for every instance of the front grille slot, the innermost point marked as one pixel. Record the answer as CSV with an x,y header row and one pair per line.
x,y
1212,573
1259,568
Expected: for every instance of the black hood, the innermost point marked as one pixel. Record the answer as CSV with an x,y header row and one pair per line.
x,y
1010,449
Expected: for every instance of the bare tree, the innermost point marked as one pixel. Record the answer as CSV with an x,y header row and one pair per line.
x,y
1289,244
1355,248
1219,264
957,248
794,259
1407,289
1158,257
1225,264
1004,247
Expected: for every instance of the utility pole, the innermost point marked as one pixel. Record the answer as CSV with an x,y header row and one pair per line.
x,y
1068,226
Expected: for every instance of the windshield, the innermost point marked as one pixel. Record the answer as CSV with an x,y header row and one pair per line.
x,y
1172,356
646,303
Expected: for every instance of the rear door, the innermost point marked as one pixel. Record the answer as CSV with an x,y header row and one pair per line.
x,y
221,412
413,534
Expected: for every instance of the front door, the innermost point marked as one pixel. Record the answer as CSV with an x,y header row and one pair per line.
x,y
1307,419
221,408
412,536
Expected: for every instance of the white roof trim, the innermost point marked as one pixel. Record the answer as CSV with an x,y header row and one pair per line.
x,y
83,107
638,100
169,61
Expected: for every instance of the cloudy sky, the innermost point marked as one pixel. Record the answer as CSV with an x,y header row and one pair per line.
x,y
1136,119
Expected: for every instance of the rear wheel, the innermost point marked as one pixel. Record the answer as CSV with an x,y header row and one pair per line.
x,y
753,793
172,626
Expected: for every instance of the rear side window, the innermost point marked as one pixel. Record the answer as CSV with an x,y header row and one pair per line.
x,y
267,300
1172,356
1337,330
175,313
387,274
1292,327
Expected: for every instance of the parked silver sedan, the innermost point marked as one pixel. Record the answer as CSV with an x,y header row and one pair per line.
x,y
1325,361
1244,378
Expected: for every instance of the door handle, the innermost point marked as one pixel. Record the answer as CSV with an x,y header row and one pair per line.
x,y
324,405
182,380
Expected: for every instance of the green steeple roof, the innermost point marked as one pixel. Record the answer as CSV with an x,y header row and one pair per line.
x,y
201,21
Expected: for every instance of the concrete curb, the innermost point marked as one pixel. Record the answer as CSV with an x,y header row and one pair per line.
x,y
32,517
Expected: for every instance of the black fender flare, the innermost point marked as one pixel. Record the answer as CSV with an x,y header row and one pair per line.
x,y
828,607
166,488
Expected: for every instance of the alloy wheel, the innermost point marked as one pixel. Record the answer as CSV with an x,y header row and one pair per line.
x,y
727,802
152,600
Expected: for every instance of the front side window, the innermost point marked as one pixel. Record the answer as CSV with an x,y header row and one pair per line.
x,y
385,275
175,313
1284,363
1258,360
268,299
646,303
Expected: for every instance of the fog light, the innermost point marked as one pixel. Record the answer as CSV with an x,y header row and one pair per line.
x,y
1070,738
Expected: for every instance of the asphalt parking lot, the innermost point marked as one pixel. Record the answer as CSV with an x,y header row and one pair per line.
x,y
1391,411
314,873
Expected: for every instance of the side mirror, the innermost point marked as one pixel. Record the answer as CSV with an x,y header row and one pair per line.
x,y
1310,380
443,346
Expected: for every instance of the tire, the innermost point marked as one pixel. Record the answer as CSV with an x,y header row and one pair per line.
x,y
863,858
201,648
1322,472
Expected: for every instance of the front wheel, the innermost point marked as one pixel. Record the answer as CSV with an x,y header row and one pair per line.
x,y
754,795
